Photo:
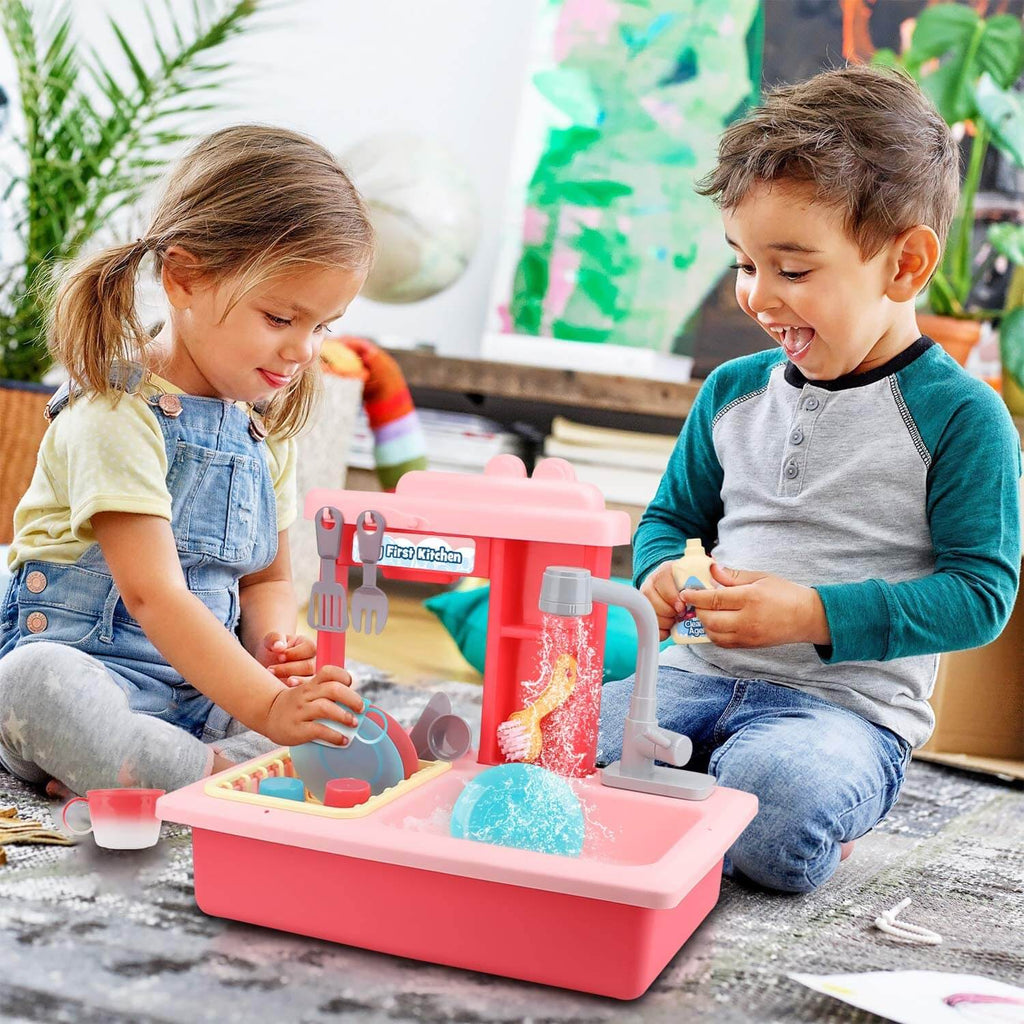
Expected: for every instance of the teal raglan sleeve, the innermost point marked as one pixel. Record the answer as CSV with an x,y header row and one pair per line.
x,y
688,502
973,506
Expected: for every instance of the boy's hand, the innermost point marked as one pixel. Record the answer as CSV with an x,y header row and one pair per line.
x,y
754,609
293,714
660,589
292,659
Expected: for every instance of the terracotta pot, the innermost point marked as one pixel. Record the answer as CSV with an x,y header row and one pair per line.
x,y
22,427
957,337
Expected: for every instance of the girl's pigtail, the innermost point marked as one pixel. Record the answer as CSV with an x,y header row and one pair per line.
x,y
93,322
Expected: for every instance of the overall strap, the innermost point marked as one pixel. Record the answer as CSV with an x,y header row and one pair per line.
x,y
123,377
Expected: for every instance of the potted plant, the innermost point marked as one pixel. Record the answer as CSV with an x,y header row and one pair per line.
x,y
968,65
91,139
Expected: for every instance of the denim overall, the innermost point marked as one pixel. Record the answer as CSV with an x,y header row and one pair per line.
x,y
224,520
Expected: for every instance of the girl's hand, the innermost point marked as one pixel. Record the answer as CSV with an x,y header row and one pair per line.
x,y
293,714
292,659
755,609
660,589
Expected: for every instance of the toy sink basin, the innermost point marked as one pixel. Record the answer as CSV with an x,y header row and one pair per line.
x,y
394,880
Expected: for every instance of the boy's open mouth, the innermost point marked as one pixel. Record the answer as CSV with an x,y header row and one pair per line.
x,y
794,340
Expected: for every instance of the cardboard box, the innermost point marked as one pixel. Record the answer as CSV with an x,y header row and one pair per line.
x,y
979,706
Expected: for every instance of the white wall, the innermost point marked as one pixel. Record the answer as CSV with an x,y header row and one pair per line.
x,y
345,69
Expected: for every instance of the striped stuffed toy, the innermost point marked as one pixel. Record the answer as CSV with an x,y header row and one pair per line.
x,y
398,438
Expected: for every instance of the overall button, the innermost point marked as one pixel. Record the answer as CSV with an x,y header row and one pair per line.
x,y
792,471
170,405
257,427
36,622
812,403
797,436
35,581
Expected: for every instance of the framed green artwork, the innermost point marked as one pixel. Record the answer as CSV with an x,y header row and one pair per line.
x,y
609,253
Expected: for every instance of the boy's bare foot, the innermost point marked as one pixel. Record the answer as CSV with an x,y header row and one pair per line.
x,y
58,790
220,762
845,849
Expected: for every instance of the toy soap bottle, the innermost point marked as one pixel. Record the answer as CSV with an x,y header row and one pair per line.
x,y
691,572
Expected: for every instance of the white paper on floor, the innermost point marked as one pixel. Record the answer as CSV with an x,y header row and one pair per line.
x,y
924,997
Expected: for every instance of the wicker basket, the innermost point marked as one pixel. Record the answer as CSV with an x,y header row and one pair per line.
x,y
21,429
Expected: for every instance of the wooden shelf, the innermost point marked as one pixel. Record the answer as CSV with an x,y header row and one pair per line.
x,y
425,369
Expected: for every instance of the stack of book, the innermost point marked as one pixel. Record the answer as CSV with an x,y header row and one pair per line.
x,y
626,465
456,442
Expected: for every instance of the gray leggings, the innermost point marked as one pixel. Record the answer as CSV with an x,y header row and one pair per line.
x,y
62,716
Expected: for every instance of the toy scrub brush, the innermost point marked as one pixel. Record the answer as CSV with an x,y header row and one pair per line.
x,y
519,736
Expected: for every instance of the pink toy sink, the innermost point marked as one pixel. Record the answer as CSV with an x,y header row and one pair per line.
x,y
387,875
392,879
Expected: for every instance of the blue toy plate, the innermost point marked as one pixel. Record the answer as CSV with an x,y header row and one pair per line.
x,y
369,755
523,806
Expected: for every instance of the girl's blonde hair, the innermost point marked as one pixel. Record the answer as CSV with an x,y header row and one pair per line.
x,y
249,203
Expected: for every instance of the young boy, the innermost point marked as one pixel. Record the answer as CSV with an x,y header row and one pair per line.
x,y
856,488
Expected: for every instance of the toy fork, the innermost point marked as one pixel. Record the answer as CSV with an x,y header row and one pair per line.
x,y
369,602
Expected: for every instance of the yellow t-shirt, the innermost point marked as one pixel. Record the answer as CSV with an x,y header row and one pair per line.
x,y
98,457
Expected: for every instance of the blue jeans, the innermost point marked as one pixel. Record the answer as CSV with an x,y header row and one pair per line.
x,y
823,775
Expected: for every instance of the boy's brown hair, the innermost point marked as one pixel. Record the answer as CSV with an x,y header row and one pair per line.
x,y
867,138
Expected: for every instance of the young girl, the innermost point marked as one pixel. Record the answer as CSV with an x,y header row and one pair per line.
x,y
145,637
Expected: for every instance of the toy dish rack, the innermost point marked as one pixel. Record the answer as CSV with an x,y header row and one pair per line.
x,y
241,784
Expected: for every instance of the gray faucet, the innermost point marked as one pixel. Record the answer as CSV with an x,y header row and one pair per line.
x,y
571,592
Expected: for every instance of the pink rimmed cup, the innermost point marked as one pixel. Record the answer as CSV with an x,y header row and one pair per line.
x,y
120,819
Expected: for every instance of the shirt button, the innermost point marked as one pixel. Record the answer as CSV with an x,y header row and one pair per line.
x,y
797,436
811,403
35,582
36,622
792,470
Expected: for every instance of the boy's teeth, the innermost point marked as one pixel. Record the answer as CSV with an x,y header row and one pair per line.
x,y
794,338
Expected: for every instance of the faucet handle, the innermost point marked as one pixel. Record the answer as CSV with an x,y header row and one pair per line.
x,y
669,746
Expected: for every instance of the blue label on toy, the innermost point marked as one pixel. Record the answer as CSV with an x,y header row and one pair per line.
x,y
415,551
689,625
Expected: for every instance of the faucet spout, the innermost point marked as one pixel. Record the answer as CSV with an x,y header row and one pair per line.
x,y
569,591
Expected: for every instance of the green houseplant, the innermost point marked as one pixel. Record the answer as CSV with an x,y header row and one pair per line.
x,y
91,141
969,64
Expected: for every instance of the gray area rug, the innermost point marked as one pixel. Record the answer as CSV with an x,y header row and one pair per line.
x,y
88,935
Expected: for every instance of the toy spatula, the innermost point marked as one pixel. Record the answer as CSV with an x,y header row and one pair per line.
x,y
327,609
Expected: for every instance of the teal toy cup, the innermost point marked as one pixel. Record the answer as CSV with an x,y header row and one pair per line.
x,y
283,788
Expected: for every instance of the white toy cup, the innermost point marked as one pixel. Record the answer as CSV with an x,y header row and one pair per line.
x,y
120,819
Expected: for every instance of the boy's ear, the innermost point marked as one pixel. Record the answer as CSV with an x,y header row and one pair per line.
x,y
915,255
179,275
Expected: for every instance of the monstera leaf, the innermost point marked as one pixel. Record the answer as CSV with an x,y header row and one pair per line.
x,y
1003,112
967,46
1008,241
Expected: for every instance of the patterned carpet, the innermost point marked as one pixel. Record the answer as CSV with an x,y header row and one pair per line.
x,y
93,936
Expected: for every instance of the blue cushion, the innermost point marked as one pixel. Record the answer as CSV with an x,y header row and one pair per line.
x,y
464,614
